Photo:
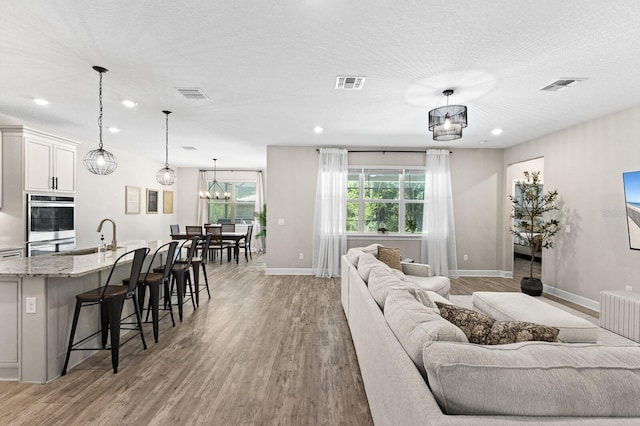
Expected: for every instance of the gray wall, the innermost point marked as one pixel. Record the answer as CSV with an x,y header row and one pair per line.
x,y
478,184
585,164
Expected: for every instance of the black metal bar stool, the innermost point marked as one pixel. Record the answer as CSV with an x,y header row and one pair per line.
x,y
153,281
200,261
181,274
111,300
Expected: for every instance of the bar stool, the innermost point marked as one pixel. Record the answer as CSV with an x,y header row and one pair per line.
x,y
111,300
153,281
180,272
201,260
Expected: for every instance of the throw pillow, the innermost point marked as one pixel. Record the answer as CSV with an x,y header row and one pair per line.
x,y
475,325
504,332
390,256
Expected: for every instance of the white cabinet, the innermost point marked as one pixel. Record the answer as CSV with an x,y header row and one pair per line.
x,y
50,165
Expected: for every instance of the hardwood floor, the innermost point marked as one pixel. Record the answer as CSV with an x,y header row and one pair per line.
x,y
264,350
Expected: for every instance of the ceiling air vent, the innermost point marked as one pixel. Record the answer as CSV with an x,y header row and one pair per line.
x,y
350,82
562,84
189,148
192,93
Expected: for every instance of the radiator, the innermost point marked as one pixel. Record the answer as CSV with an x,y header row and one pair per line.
x,y
620,313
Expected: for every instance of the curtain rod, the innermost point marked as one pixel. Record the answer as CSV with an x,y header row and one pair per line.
x,y
384,151
230,170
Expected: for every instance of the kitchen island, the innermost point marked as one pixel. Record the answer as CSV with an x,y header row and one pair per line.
x,y
37,301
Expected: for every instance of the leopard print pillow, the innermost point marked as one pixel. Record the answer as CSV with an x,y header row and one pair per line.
x,y
475,325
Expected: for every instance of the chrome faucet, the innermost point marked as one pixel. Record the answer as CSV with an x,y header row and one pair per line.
x,y
114,243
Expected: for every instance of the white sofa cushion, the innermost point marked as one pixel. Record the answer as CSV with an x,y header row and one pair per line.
x,y
415,324
440,285
534,379
366,262
510,306
382,281
354,255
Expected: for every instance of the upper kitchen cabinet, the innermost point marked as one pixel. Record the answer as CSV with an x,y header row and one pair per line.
x,y
49,161
49,165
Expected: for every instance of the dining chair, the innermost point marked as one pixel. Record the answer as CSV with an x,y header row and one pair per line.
x,y
193,231
217,244
228,227
246,243
175,229
111,299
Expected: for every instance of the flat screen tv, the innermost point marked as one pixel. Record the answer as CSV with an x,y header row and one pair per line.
x,y
632,200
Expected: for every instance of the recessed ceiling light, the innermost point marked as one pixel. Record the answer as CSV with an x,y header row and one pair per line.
x,y
189,148
41,101
496,131
129,104
482,142
318,129
113,129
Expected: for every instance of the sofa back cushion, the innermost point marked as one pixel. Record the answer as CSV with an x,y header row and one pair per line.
x,y
366,263
354,255
415,324
535,379
382,281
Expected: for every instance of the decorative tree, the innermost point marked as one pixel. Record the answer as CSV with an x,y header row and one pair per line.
x,y
530,226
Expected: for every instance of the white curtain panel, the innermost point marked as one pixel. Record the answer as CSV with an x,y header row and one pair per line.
x,y
203,203
329,230
258,209
439,241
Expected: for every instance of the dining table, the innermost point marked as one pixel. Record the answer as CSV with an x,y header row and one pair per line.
x,y
236,237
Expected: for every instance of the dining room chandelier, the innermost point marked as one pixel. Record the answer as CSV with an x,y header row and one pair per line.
x,y
216,185
100,161
447,122
166,175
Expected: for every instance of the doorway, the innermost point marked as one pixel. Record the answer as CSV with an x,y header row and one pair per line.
x,y
519,252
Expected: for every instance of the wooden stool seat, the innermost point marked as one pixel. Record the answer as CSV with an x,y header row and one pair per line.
x,y
100,295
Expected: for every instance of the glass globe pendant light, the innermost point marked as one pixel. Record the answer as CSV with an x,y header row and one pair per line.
x,y
100,161
166,175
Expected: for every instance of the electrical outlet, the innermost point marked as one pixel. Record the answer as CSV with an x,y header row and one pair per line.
x,y
628,288
301,256
30,305
567,229
465,257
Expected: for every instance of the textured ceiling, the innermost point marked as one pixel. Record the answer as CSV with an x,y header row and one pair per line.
x,y
269,69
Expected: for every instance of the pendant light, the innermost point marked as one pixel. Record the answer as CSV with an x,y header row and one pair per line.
x,y
447,122
166,175
100,161
215,183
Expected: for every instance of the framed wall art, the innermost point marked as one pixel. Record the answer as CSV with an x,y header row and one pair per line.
x,y
131,200
167,202
152,201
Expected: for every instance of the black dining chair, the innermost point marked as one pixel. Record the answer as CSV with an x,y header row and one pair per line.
x,y
246,243
193,231
111,299
175,229
217,244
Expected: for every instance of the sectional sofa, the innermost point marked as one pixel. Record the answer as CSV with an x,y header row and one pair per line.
x,y
458,383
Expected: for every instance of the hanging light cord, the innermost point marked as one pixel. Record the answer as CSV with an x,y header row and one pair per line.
x,y
100,115
166,149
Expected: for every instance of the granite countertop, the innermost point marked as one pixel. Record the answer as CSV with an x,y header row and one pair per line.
x,y
57,265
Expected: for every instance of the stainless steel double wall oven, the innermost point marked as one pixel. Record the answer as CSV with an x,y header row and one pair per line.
x,y
50,224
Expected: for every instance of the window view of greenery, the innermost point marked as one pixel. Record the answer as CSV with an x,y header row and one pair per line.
x,y
241,204
379,199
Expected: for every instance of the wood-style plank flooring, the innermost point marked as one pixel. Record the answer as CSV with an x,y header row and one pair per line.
x,y
264,350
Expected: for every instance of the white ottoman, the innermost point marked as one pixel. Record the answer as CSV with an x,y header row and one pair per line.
x,y
521,307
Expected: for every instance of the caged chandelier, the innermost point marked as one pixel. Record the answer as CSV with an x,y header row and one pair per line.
x,y
447,122
215,183
166,175
100,161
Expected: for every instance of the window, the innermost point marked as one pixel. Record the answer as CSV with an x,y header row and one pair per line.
x,y
240,206
385,198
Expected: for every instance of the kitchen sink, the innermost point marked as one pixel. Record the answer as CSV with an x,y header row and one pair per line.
x,y
78,252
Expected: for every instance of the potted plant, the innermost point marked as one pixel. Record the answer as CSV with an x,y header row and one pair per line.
x,y
262,220
528,208
411,225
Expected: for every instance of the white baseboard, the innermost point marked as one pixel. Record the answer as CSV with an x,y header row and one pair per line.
x,y
288,271
481,273
574,298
